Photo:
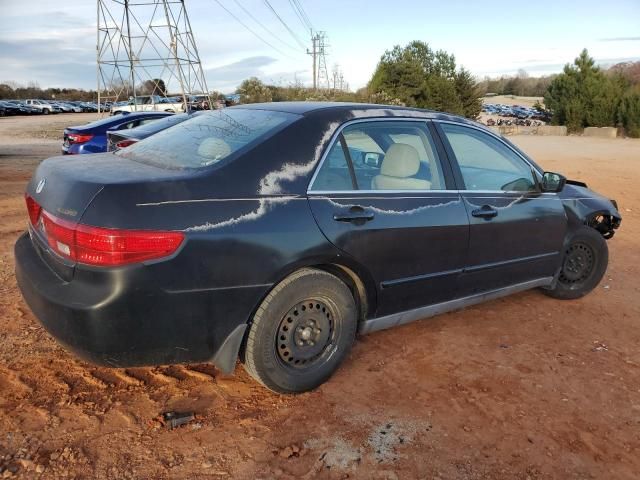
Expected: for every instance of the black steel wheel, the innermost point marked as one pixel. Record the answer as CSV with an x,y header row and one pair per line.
x,y
584,263
305,335
579,262
301,332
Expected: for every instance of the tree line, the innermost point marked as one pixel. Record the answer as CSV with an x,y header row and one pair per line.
x,y
583,95
13,90
413,76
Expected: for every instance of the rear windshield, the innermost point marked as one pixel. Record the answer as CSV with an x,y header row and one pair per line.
x,y
208,138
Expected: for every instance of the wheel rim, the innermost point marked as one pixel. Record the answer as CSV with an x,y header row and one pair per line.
x,y
306,334
578,264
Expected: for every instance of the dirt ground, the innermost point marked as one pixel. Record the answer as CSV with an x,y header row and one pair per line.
x,y
526,387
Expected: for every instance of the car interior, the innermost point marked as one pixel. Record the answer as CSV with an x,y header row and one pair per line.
x,y
385,156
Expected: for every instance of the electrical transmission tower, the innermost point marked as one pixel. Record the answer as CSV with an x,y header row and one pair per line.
x,y
147,47
318,54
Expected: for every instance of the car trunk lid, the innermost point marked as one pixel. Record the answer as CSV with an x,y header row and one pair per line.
x,y
64,187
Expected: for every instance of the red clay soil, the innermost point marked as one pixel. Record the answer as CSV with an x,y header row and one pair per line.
x,y
526,387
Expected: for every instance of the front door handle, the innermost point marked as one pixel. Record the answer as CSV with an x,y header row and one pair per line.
x,y
485,212
355,214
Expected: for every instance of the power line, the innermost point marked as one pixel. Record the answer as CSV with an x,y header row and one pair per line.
x,y
295,37
264,27
298,14
301,14
257,35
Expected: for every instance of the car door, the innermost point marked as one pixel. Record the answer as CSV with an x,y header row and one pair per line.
x,y
384,194
516,231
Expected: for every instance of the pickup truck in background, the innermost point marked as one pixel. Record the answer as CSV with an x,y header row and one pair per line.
x,y
150,103
43,106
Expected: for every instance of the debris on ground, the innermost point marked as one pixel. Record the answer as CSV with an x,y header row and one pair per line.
x,y
599,346
174,419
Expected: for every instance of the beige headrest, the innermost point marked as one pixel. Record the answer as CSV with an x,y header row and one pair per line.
x,y
401,160
214,149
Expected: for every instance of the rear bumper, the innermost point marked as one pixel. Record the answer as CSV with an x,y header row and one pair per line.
x,y
121,318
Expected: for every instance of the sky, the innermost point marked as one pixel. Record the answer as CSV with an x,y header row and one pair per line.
x,y
54,43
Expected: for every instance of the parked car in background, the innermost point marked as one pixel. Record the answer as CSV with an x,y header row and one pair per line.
x,y
73,107
149,103
274,232
12,107
26,109
5,109
88,106
92,137
63,107
121,138
199,102
41,105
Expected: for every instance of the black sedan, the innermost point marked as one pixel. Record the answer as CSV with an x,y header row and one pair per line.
x,y
275,232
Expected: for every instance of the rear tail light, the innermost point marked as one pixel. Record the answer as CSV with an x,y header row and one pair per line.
x,y
33,208
79,137
105,247
125,143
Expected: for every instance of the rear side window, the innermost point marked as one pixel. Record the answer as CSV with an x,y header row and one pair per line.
x,y
208,138
384,155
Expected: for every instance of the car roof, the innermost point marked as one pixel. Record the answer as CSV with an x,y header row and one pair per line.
x,y
377,110
133,115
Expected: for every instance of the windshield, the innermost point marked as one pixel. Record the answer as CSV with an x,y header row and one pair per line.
x,y
208,138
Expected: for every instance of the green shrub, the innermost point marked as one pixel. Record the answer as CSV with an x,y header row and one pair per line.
x,y
629,113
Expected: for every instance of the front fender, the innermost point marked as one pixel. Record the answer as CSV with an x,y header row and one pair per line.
x,y
586,207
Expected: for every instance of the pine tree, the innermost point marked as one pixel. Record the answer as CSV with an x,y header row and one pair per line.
x,y
468,94
629,113
417,76
583,96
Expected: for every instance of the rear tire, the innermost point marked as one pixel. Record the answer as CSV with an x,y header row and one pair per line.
x,y
585,261
301,332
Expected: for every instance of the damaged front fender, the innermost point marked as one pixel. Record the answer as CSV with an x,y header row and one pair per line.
x,y
586,207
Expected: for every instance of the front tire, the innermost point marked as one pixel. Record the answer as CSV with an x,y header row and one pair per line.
x,y
585,261
45,111
301,332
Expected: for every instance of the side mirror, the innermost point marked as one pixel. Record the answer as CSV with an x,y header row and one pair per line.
x,y
552,182
372,159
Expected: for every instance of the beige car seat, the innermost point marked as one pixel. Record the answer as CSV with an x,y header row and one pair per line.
x,y
400,164
213,149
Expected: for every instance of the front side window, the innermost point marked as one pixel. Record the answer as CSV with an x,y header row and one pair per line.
x,y
384,155
486,163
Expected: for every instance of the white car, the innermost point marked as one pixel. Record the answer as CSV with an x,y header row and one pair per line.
x,y
71,107
150,103
45,107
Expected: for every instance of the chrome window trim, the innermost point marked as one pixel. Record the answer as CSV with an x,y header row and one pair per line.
x,y
460,192
378,192
337,133
492,134
339,130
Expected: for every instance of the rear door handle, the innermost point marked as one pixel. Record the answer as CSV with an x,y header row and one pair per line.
x,y
355,214
485,212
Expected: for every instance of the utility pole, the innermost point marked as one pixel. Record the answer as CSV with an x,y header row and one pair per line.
x,y
318,55
314,55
